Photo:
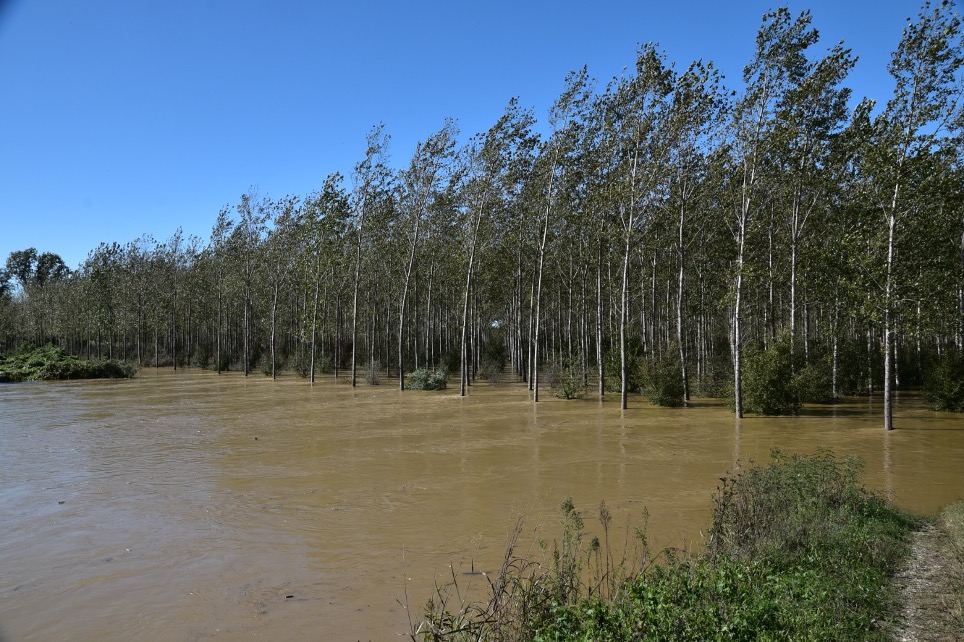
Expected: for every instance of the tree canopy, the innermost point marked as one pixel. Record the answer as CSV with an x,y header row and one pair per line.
x,y
664,219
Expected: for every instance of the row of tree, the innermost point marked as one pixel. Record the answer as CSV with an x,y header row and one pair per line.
x,y
663,217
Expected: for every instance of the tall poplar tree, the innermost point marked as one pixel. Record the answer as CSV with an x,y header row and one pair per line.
x,y
923,116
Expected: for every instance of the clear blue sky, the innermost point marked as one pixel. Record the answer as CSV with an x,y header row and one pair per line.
x,y
125,117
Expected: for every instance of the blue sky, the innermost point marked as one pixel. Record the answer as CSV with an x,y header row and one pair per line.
x,y
125,117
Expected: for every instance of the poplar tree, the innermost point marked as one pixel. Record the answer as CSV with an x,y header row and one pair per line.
x,y
779,65
924,117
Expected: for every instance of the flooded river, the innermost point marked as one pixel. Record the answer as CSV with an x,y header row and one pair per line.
x,y
192,506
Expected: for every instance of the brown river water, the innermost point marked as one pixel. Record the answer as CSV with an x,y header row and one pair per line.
x,y
192,506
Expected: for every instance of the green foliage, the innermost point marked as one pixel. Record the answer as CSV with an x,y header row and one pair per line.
x,y
854,363
614,378
814,382
567,381
662,378
944,383
799,550
717,380
425,379
951,603
772,386
768,382
53,363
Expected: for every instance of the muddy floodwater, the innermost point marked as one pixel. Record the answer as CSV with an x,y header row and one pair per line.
x,y
192,506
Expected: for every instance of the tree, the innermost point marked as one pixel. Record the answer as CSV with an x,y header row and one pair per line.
x,y
497,165
21,265
637,112
779,65
282,255
326,221
923,117
565,117
372,187
808,118
698,107
429,172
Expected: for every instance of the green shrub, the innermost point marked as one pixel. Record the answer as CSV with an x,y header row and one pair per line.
x,y
566,380
663,380
569,386
424,379
944,383
202,357
771,386
768,386
814,382
53,363
717,379
856,365
614,372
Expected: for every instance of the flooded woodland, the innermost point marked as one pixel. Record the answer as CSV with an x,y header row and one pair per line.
x,y
190,505
775,244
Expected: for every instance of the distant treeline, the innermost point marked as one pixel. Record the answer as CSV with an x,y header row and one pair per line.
x,y
665,219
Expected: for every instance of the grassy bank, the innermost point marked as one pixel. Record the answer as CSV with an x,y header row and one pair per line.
x,y
52,363
798,550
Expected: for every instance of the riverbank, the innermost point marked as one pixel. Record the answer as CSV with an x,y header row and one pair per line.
x,y
798,550
50,363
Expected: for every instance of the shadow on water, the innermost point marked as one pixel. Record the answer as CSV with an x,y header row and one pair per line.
x,y
832,411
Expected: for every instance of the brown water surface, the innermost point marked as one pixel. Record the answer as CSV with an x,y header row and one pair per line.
x,y
190,506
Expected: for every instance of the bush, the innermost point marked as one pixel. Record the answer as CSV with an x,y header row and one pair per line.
x,y
768,385
944,383
202,357
424,379
53,363
717,380
814,382
614,376
567,383
663,380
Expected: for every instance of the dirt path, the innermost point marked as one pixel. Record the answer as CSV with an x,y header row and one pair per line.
x,y
927,588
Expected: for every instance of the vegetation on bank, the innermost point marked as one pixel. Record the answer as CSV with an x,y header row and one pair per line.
x,y
52,363
798,550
